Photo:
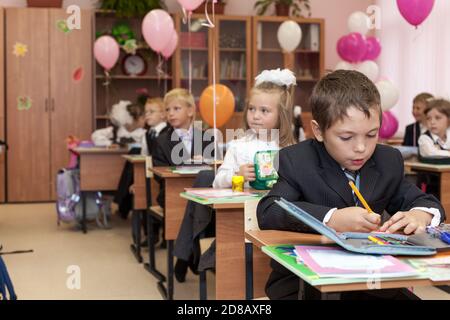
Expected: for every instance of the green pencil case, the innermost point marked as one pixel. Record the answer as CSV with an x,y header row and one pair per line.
x,y
265,171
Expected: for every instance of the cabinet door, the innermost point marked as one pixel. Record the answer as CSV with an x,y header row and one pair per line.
x,y
2,107
27,86
70,86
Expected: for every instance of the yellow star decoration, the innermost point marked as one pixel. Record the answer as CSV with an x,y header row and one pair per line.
x,y
20,49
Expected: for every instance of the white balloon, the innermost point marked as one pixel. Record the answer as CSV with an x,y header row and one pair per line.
x,y
344,65
370,69
389,94
289,35
359,22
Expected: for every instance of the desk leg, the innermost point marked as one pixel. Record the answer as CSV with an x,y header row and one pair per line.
x,y
151,265
230,254
170,269
248,271
445,193
136,235
83,219
301,289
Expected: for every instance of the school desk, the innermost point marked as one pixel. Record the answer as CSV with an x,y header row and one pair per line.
x,y
444,177
230,253
175,183
332,290
100,170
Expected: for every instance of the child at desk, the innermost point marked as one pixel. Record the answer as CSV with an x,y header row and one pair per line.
x,y
436,140
414,130
155,120
177,146
315,176
269,108
127,126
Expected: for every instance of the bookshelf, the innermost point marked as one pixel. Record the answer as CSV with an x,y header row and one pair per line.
x,y
122,86
307,62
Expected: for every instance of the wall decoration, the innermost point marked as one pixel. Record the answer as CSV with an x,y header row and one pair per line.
x,y
20,49
78,74
24,103
61,25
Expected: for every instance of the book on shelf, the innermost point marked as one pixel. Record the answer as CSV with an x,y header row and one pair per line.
x,y
232,68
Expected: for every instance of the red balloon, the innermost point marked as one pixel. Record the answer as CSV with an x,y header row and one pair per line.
x,y
352,47
373,48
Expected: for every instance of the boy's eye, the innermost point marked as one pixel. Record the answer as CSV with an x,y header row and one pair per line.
x,y
371,135
345,138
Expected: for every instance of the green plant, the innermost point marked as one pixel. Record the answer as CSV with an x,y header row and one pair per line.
x,y
132,8
298,6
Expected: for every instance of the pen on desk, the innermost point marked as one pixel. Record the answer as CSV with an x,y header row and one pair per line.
x,y
360,197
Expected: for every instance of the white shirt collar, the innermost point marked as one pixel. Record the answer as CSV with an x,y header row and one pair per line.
x,y
159,127
444,144
185,134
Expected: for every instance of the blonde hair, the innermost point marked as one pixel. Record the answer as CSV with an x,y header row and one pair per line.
x,y
285,115
158,101
180,94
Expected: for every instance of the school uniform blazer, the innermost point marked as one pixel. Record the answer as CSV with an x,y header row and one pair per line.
x,y
311,179
412,134
162,153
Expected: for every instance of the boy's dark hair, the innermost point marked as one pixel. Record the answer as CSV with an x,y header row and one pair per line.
x,y
441,105
136,110
340,90
423,97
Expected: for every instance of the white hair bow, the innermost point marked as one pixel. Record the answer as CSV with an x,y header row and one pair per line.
x,y
279,77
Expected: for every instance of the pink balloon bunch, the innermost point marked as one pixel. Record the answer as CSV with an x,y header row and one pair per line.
x,y
159,32
373,48
389,125
352,47
415,11
106,52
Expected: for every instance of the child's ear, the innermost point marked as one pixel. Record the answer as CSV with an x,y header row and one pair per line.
x,y
191,111
316,130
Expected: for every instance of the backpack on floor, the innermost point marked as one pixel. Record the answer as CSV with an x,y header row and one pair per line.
x,y
6,286
69,207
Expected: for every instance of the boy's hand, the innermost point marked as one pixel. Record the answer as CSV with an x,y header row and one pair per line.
x,y
248,172
354,219
413,221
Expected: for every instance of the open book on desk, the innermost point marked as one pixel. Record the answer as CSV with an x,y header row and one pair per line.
x,y
217,196
356,242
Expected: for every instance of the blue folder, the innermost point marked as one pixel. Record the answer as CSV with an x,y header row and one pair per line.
x,y
355,242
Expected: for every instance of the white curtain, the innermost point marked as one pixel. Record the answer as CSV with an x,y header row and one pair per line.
x,y
416,60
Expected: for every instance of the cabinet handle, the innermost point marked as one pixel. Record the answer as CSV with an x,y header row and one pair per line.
x,y
53,104
46,104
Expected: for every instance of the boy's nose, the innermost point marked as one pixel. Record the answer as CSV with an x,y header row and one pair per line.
x,y
360,147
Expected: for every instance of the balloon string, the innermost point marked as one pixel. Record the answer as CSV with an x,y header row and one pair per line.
x,y
210,24
190,52
214,85
184,15
159,69
166,78
107,84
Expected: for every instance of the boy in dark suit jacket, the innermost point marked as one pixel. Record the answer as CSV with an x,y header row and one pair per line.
x,y
182,143
314,174
414,130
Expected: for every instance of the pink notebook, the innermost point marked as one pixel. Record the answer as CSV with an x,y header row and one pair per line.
x,y
335,262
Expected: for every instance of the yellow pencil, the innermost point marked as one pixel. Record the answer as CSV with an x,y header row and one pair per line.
x,y
375,240
360,197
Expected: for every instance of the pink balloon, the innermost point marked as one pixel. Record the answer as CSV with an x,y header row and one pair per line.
x,y
157,29
190,5
352,47
389,125
415,11
168,51
106,52
373,48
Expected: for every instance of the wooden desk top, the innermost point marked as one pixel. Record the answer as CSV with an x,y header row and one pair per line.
x,y
100,151
134,158
262,238
427,167
166,173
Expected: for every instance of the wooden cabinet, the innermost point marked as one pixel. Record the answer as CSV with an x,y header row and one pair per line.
x,y
307,61
123,86
49,97
2,108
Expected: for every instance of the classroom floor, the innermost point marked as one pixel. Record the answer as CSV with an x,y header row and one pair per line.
x,y
107,267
